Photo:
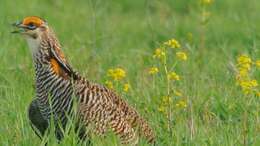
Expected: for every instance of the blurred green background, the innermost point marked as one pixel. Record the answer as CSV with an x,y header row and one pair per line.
x,y
97,35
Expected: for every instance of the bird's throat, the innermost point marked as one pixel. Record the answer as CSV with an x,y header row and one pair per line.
x,y
34,45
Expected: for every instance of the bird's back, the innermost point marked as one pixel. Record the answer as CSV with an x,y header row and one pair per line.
x,y
103,109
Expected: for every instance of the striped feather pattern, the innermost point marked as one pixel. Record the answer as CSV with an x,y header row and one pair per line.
x,y
99,108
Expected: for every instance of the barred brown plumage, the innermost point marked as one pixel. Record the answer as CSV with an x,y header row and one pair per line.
x,y
98,107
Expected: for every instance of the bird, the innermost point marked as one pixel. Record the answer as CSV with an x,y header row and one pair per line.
x,y
59,88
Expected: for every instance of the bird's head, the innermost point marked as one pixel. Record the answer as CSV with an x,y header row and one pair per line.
x,y
31,27
34,29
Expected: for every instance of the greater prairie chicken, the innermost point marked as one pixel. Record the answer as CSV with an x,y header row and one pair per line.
x,y
57,83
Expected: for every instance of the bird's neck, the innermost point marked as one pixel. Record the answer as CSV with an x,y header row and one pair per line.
x,y
40,47
47,54
34,45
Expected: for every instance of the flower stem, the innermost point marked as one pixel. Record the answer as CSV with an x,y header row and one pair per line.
x,y
169,112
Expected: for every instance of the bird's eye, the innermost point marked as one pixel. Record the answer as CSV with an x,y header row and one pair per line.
x,y
31,26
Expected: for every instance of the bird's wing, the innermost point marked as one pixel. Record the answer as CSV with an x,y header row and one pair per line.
x,y
132,116
58,56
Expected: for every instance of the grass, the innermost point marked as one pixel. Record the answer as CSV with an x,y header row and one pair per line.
x,y
97,35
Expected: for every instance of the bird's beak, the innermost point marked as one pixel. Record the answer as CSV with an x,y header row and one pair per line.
x,y
20,26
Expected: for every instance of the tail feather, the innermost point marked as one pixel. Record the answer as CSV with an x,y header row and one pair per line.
x,y
141,125
145,130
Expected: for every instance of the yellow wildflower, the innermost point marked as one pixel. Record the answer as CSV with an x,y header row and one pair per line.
x,y
257,63
161,109
243,72
153,70
244,62
258,94
126,87
172,43
254,83
243,78
181,55
166,100
159,53
116,74
173,76
242,59
248,85
109,84
245,66
177,93
181,104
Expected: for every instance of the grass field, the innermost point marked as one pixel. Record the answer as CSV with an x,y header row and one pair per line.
x,y
99,35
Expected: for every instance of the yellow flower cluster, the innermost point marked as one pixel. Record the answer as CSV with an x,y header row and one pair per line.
x,y
126,87
244,62
116,74
258,94
181,55
109,84
153,70
248,85
173,76
166,101
177,93
244,65
172,43
167,64
159,53
181,104
257,63
168,53
161,109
